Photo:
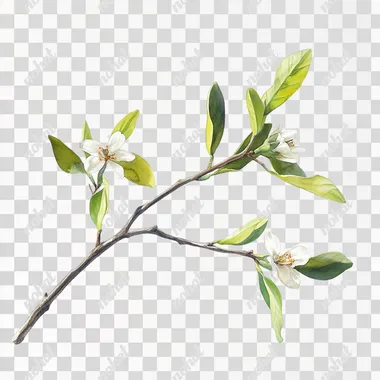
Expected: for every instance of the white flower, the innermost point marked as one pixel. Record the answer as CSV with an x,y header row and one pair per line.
x,y
106,153
287,147
286,261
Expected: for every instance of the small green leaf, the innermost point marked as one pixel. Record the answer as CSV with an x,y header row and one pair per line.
x,y
100,174
264,262
138,171
86,135
66,159
286,168
289,77
99,204
246,234
127,124
215,119
325,266
255,109
273,299
261,255
318,185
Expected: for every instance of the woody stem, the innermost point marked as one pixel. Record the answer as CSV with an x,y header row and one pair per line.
x,y
44,305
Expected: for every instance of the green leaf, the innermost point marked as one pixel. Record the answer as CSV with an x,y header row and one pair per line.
x,y
261,137
239,164
86,135
318,185
263,262
289,77
138,171
66,159
246,234
325,266
263,289
215,119
272,298
99,204
255,109
286,168
127,124
100,174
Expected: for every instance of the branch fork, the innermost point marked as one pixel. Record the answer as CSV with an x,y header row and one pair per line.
x,y
125,233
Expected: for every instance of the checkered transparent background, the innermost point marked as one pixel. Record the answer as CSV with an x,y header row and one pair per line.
x,y
224,317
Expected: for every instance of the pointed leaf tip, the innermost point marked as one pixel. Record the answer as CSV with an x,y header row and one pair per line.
x,y
127,124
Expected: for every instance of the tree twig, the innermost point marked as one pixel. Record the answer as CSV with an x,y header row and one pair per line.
x,y
181,241
125,232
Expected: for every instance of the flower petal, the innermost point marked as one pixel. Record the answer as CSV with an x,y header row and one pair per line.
x,y
282,148
92,164
288,276
272,244
116,141
119,170
288,134
91,147
300,255
297,149
123,155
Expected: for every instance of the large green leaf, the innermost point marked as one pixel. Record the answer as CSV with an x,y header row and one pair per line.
x,y
99,204
215,119
138,171
66,159
272,298
325,266
255,109
246,234
318,185
86,135
127,124
286,168
289,77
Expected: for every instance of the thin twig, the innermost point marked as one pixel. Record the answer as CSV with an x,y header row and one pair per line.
x,y
44,305
181,241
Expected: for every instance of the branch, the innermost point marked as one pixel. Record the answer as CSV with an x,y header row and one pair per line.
x,y
140,210
181,241
44,305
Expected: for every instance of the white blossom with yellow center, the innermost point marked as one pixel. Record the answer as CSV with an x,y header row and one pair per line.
x,y
285,261
109,153
287,149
